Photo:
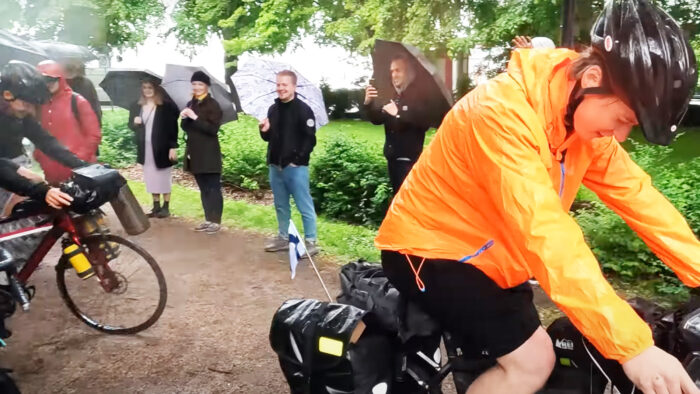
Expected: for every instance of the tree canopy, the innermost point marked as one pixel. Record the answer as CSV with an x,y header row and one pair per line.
x,y
101,24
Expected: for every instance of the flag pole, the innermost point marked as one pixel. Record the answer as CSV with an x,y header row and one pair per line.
x,y
318,275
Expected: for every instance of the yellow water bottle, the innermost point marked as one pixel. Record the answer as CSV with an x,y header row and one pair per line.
x,y
75,255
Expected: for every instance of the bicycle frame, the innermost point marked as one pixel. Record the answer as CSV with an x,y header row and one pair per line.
x,y
62,223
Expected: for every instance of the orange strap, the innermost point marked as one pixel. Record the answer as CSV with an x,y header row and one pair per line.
x,y
416,272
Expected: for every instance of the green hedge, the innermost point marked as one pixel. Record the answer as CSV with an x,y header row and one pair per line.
x,y
350,181
619,250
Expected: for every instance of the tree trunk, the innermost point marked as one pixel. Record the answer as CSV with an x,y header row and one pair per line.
x,y
230,67
568,27
463,81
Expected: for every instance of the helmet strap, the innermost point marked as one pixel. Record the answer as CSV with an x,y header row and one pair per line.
x,y
575,99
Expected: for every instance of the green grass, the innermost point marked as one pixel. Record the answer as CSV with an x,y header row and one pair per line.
x,y
343,242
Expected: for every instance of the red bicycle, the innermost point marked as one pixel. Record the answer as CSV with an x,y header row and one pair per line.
x,y
129,294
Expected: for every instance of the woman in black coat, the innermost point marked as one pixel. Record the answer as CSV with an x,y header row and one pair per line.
x,y
154,120
201,120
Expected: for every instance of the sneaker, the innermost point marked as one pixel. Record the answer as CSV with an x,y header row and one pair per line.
x,y
312,249
276,244
213,228
203,227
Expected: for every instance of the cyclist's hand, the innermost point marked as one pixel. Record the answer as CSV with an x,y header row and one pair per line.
x,y
657,372
57,199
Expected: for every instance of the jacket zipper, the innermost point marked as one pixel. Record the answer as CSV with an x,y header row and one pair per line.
x,y
563,174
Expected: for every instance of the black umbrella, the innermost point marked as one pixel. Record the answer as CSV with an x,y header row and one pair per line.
x,y
124,86
177,83
62,51
13,47
427,81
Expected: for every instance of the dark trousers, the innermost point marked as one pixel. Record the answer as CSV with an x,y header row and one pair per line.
x,y
210,192
398,170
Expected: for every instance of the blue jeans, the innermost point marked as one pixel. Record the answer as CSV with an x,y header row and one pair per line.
x,y
293,181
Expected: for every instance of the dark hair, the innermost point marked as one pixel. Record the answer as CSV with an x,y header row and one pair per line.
x,y
288,73
403,57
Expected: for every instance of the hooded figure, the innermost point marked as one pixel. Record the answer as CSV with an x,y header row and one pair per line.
x,y
68,117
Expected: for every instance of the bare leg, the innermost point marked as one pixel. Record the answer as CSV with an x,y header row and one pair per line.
x,y
523,371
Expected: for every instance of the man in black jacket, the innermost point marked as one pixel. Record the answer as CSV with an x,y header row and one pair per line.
x,y
290,130
405,119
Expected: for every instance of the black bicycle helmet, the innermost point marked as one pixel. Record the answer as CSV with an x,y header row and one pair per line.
x,y
24,82
650,62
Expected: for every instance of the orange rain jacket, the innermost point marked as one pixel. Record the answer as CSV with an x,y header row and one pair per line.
x,y
493,181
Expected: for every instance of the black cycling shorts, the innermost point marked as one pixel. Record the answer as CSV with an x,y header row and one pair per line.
x,y
490,321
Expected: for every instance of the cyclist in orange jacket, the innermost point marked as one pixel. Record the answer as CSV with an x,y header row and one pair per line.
x,y
486,206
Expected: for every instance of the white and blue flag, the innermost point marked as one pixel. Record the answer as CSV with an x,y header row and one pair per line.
x,y
297,248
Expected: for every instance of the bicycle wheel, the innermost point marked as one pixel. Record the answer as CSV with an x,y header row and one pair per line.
x,y
130,296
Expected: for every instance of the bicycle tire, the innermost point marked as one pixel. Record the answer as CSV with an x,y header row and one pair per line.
x,y
64,268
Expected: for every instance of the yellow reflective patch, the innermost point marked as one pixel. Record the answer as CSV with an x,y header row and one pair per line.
x,y
330,346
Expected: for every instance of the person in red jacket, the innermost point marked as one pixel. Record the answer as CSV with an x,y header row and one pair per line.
x,y
68,117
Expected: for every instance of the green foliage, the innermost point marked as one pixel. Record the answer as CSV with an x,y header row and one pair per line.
x,y
618,248
102,24
261,26
118,147
350,182
244,154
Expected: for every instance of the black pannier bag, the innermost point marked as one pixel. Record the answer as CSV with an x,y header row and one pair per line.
x,y
92,186
312,340
413,337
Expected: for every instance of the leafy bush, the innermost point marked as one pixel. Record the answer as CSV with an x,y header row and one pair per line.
x,y
349,182
118,147
244,154
618,248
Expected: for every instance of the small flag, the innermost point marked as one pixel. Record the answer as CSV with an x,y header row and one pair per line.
x,y
296,248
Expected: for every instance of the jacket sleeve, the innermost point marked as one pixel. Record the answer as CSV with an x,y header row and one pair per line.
x,y
171,114
135,111
504,148
209,121
626,189
48,144
374,113
12,181
307,127
90,127
266,135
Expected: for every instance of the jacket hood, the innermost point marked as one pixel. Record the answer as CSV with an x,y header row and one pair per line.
x,y
52,69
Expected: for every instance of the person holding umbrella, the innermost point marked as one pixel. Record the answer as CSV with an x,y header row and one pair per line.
x,y
201,119
405,117
486,207
290,130
154,119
